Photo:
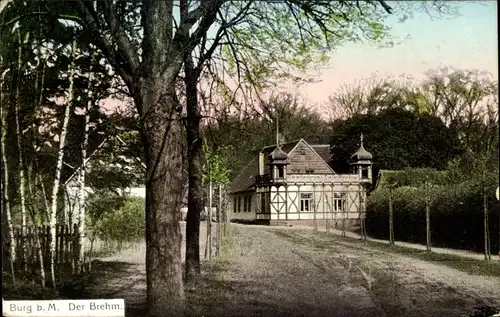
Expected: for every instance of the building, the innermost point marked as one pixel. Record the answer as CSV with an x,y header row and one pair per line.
x,y
293,184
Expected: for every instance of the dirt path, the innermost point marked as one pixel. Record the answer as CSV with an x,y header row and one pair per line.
x,y
125,273
285,272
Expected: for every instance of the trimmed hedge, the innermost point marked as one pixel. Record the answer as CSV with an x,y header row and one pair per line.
x,y
457,219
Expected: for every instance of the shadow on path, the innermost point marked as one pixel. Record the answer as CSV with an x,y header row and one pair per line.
x,y
116,279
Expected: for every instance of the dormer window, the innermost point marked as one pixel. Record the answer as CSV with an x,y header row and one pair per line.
x,y
364,173
281,172
278,161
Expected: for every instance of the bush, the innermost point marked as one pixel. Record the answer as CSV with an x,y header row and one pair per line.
x,y
456,214
115,218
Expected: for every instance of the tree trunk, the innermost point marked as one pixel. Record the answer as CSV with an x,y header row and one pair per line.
x,y
59,164
195,153
5,188
391,220
36,222
363,213
81,183
161,133
428,223
219,218
487,251
209,220
22,184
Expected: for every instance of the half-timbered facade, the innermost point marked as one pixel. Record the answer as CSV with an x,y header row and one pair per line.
x,y
294,184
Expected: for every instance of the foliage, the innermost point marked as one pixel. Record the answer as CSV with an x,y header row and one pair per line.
x,y
268,42
115,218
242,137
465,100
397,138
215,168
411,177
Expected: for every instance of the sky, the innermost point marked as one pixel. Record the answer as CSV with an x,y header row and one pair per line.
x,y
469,41
466,41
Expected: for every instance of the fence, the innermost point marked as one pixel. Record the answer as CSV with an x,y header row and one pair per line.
x,y
66,244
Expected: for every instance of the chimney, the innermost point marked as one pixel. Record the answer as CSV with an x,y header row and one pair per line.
x,y
261,163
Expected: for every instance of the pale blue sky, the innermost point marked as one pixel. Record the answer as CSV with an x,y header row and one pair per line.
x,y
468,41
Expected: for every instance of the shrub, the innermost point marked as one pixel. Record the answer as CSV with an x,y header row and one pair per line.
x,y
456,214
115,218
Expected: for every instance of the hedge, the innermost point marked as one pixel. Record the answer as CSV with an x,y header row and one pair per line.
x,y
457,219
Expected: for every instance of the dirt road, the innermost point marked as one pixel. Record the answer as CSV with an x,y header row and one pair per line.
x,y
124,274
285,272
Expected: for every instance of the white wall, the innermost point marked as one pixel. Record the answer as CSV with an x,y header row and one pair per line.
x,y
323,202
242,215
287,201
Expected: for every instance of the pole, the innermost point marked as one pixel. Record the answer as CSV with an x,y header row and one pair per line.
x,y
209,222
219,213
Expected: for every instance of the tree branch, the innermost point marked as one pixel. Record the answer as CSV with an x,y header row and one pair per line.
x,y
103,44
220,34
207,12
119,34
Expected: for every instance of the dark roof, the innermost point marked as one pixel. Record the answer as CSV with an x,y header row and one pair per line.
x,y
323,150
278,155
361,156
245,180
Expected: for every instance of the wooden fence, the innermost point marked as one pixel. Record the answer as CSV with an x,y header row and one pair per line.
x,y
66,244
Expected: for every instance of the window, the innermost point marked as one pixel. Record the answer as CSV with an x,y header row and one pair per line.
x,y
239,203
249,203
309,171
339,201
306,202
364,173
281,172
244,203
235,204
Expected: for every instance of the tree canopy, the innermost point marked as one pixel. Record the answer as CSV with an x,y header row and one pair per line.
x,y
397,139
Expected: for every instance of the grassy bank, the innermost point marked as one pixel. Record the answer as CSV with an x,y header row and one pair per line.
x,y
206,293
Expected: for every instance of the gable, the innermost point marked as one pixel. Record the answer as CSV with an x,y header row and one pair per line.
x,y
304,160
314,160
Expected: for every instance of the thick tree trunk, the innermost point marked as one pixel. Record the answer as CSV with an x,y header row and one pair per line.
x,y
195,194
161,132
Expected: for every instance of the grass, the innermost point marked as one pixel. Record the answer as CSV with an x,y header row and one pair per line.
x,y
28,286
325,240
206,292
